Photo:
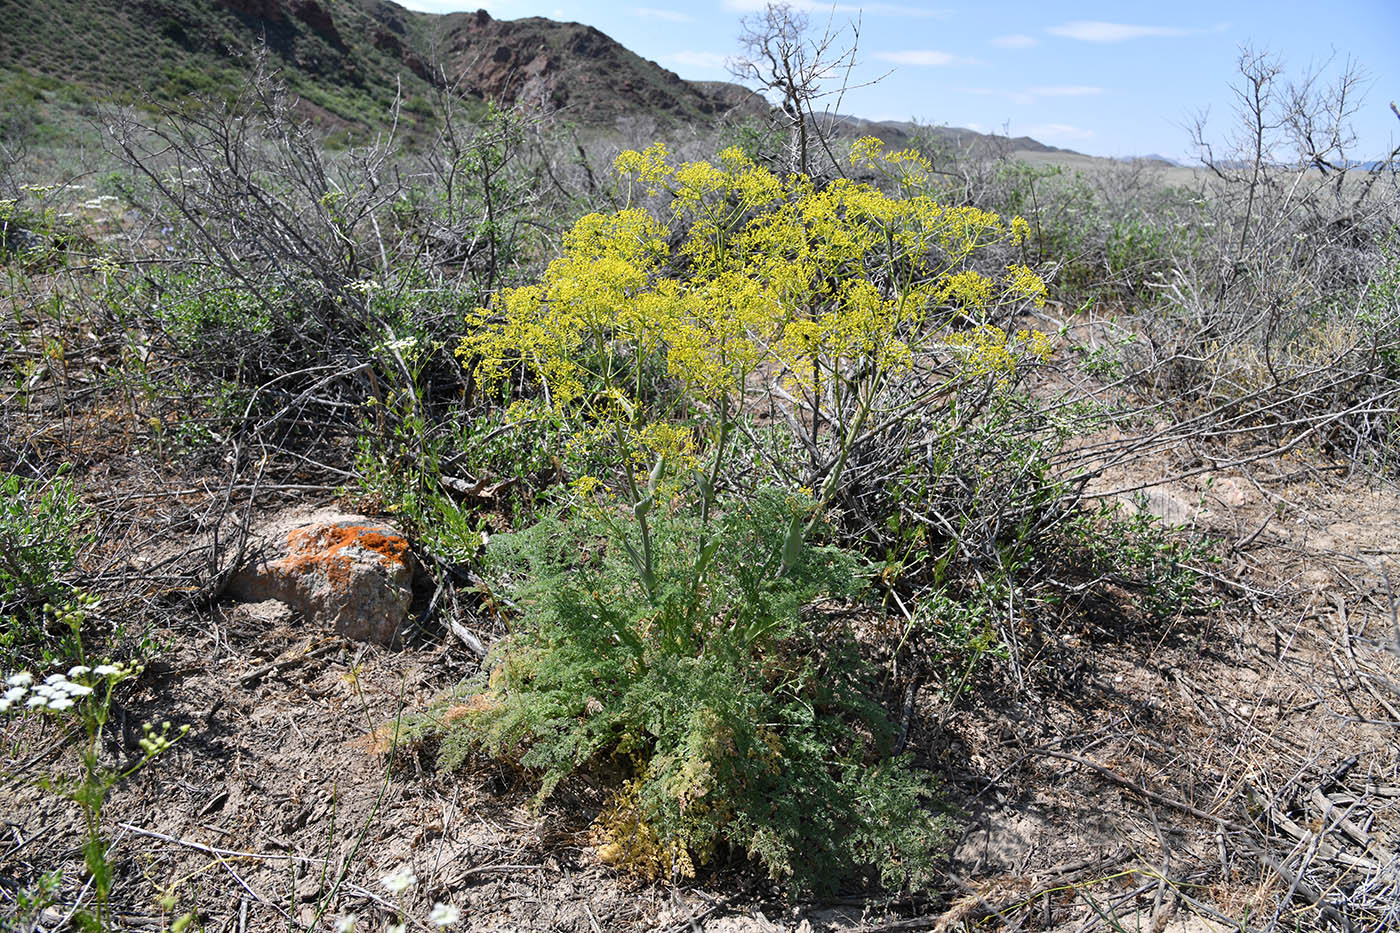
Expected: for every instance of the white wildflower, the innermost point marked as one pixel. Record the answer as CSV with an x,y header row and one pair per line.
x,y
76,690
401,880
22,679
37,701
15,694
346,924
444,915
61,703
78,670
54,679
106,670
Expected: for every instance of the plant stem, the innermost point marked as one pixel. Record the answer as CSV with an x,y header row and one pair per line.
x,y
645,570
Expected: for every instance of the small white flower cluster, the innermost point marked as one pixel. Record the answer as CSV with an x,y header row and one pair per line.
x,y
397,882
58,692
404,345
444,915
99,202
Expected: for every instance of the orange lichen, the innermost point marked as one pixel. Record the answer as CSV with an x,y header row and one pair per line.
x,y
324,548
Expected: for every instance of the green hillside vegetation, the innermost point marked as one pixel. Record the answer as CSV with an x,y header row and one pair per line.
x,y
347,62
106,48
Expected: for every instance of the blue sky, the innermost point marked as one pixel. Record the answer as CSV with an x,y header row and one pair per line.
x,y
1106,78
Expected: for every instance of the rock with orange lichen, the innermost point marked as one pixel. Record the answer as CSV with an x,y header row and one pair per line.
x,y
343,572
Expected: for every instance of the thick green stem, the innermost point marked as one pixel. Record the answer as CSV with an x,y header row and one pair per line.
x,y
640,505
707,495
833,478
797,530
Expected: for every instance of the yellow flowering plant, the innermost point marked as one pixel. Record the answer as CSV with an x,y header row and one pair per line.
x,y
718,302
745,285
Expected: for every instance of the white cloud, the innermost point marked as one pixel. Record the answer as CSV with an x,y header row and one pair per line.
x,y
1059,132
924,58
815,6
1016,97
1065,90
1031,94
705,61
1015,41
1090,31
668,16
1095,31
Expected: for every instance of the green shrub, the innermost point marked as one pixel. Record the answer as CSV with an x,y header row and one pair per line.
x,y
731,714
41,533
198,308
1379,313
506,461
1132,548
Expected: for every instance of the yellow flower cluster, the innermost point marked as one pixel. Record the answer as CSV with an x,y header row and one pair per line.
x,y
967,289
985,352
595,288
1038,344
908,167
649,167
1020,230
867,150
586,485
647,315
988,352
1022,282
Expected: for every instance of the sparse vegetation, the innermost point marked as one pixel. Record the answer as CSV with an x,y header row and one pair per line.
x,y
780,499
84,695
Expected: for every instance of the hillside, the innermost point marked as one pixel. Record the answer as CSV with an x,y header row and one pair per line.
x,y
900,133
347,61
345,65
564,66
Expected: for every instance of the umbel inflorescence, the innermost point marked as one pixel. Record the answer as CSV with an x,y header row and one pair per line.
x,y
715,280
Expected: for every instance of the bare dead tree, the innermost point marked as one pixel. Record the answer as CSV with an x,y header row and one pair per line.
x,y
789,61
1291,142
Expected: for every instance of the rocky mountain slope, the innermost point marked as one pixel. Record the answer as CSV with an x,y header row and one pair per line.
x,y
348,60
570,67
